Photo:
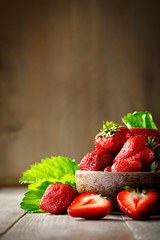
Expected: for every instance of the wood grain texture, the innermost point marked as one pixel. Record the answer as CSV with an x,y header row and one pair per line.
x,y
10,211
148,229
47,226
65,66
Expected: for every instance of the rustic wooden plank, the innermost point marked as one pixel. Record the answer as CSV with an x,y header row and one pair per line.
x,y
10,210
47,226
148,229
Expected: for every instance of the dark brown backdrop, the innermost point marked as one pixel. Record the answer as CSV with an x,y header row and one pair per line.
x,y
67,65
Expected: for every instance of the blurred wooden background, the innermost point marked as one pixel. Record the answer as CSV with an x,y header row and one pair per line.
x,y
67,65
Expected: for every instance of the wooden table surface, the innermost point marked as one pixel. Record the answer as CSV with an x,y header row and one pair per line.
x,y
15,224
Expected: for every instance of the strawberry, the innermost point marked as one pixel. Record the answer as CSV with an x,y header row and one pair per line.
x,y
96,160
137,205
90,206
112,137
147,132
136,149
57,198
126,166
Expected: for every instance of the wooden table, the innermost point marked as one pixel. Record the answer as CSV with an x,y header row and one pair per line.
x,y
15,224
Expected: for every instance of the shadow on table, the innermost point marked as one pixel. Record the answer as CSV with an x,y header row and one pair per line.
x,y
122,218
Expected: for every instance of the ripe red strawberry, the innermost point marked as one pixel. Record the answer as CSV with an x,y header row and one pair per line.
x,y
137,205
147,132
126,166
112,137
136,149
96,160
90,206
57,198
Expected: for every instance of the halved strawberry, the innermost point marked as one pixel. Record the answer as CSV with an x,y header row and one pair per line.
x,y
137,205
90,206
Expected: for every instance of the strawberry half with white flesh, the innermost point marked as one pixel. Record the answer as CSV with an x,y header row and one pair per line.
x,y
90,206
137,205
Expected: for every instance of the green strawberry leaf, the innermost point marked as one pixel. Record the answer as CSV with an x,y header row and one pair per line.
x,y
139,120
54,167
32,197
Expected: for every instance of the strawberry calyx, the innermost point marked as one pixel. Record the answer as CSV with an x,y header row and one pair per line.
x,y
109,129
127,188
144,191
154,166
104,197
156,163
157,152
151,143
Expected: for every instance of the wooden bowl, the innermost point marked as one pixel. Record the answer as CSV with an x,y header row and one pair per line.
x,y
109,184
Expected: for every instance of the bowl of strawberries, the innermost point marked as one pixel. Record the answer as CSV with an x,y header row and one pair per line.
x,y
124,156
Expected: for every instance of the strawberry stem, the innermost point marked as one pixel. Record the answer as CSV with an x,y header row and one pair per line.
x,y
129,188
144,191
109,129
104,197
